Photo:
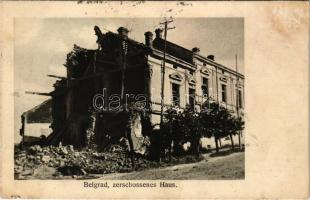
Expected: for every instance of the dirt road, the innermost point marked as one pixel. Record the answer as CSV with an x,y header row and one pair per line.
x,y
211,168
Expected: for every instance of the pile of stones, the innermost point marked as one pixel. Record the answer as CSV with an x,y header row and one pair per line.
x,y
70,162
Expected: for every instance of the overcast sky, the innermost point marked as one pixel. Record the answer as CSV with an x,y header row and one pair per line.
x,y
41,46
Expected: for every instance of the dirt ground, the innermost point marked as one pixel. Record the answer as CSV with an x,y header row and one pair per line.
x,y
228,167
66,163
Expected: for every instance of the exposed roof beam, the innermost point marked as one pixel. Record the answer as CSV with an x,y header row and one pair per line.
x,y
55,76
38,93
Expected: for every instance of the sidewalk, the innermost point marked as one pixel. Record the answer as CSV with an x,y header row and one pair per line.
x,y
211,168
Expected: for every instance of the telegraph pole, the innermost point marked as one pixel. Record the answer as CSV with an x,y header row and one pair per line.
x,y
163,68
237,95
237,101
124,48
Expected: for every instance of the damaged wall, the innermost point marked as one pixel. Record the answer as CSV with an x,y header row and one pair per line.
x,y
36,122
88,72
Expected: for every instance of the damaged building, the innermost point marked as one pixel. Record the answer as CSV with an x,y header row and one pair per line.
x,y
36,122
122,66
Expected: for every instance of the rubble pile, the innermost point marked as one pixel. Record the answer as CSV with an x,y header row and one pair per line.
x,y
70,162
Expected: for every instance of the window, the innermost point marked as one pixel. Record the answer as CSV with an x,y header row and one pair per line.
x,y
205,87
175,94
224,92
239,99
191,94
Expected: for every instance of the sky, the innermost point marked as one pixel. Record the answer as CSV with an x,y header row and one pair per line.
x,y
41,46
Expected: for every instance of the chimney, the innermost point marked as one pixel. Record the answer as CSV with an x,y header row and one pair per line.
x,y
148,38
122,31
196,50
211,57
159,33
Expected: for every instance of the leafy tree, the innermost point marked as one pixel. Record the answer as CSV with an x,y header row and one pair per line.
x,y
184,126
176,130
220,122
191,125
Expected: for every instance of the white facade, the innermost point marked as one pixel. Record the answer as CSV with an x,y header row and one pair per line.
x,y
190,76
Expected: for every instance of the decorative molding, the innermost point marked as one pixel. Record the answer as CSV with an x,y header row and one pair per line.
x,y
205,71
239,84
184,64
149,70
176,76
223,78
191,81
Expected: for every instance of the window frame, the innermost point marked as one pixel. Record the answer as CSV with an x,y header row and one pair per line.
x,y
205,86
191,98
224,92
173,102
239,101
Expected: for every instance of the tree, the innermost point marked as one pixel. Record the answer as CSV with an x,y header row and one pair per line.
x,y
220,122
193,129
179,127
161,139
176,131
190,125
236,124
